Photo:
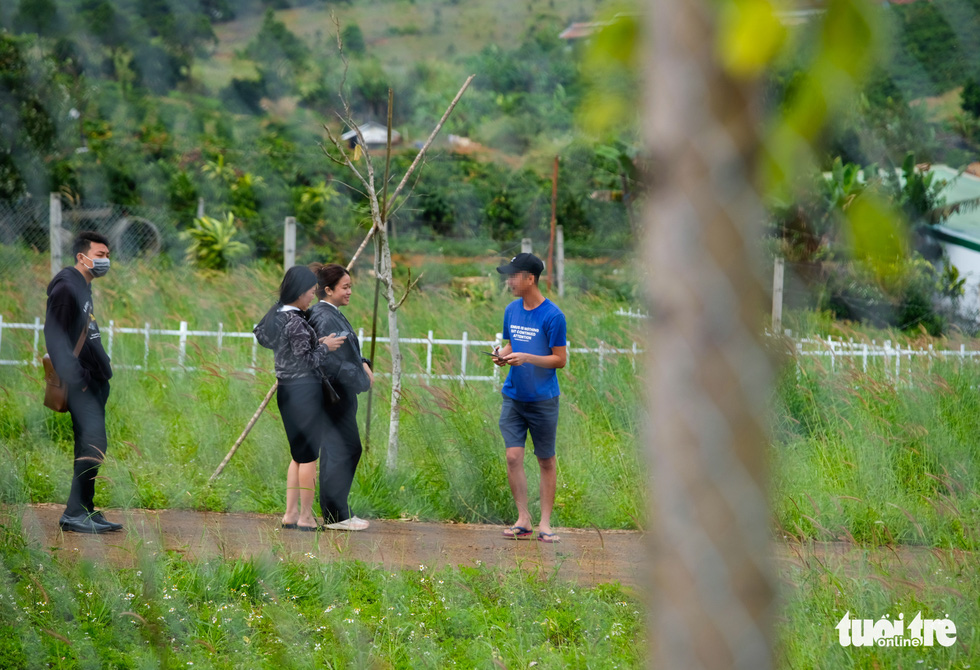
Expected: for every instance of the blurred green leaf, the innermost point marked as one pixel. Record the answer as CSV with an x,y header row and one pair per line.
x,y
750,36
877,231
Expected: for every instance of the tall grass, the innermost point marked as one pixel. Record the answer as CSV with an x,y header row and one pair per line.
x,y
819,590
59,612
879,460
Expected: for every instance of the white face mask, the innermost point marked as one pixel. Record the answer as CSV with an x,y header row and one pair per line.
x,y
100,266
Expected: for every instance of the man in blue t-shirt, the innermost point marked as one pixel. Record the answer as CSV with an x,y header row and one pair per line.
x,y
534,329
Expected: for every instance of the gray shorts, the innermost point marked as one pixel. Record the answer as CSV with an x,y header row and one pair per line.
x,y
540,418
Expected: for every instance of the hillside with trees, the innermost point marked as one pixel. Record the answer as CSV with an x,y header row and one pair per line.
x,y
120,103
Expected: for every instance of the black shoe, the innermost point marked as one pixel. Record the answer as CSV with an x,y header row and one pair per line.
x,y
83,523
97,515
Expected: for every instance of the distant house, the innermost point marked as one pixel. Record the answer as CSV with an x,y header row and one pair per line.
x,y
578,31
959,234
375,136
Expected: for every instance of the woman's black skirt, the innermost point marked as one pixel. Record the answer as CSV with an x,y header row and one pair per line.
x,y
301,406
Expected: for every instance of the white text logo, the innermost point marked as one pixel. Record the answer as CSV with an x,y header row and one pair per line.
x,y
887,633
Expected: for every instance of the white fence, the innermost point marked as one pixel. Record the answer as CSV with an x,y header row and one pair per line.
x,y
892,358
183,334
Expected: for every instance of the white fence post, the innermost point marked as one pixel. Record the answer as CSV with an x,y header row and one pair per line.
x,y
428,355
526,245
289,243
54,232
182,347
146,345
37,339
111,329
560,260
497,343
462,377
777,297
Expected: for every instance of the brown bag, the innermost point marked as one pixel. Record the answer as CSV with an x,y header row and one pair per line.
x,y
55,391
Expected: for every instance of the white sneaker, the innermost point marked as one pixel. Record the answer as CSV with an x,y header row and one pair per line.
x,y
353,523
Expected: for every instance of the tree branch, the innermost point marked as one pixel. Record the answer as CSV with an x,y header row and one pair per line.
x,y
432,136
408,289
388,208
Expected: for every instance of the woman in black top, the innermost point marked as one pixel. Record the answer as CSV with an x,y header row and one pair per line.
x,y
298,353
349,373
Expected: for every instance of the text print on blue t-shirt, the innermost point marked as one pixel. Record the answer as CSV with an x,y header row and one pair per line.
x,y
536,331
522,333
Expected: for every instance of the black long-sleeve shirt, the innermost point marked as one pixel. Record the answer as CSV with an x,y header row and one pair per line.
x,y
297,350
69,312
345,366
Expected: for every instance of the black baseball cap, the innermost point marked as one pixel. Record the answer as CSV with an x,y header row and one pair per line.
x,y
523,263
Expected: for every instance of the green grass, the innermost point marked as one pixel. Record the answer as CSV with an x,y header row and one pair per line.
x,y
864,457
818,592
59,612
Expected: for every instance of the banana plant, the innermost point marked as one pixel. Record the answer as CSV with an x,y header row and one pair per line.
x,y
212,243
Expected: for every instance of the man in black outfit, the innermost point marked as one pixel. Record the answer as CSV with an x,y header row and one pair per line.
x,y
70,315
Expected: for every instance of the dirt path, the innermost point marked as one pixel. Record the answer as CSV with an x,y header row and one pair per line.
x,y
583,556
587,557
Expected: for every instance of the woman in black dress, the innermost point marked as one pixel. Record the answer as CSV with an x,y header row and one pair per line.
x,y
349,373
298,353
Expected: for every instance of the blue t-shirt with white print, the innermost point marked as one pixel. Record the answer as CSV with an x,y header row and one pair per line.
x,y
533,331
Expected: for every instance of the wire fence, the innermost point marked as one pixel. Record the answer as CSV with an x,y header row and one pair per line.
x,y
188,349
43,227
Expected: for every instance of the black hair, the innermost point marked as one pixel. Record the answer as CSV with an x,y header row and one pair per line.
x,y
327,276
82,243
297,281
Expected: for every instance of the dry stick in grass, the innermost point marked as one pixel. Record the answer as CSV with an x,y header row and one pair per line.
x,y
387,210
248,428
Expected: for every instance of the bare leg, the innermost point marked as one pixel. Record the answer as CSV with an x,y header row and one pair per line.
x,y
306,477
549,483
292,493
518,485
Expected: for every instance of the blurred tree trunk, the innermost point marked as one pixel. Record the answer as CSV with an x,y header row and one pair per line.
x,y
708,373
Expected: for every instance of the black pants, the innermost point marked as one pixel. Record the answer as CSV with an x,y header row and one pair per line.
x,y
301,407
340,452
87,410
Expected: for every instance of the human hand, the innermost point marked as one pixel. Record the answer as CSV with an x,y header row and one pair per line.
x,y
516,358
498,360
333,341
370,373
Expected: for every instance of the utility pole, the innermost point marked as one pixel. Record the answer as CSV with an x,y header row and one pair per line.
x,y
551,238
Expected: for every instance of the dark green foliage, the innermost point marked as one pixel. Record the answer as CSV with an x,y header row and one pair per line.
x,y
276,43
970,99
38,16
353,39
28,129
502,219
437,212
244,95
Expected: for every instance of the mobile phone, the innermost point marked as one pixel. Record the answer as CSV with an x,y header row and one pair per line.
x,y
491,353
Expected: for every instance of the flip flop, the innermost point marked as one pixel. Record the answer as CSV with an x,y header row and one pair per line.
x,y
517,533
310,529
289,526
550,538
